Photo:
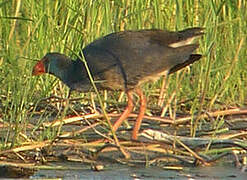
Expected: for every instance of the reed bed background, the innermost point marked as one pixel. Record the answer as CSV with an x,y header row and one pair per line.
x,y
30,29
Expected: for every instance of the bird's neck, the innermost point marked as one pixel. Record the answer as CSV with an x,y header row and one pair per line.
x,y
61,68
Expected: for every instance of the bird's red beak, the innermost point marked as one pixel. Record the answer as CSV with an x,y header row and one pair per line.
x,y
39,68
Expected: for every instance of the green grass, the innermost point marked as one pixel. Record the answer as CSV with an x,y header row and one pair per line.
x,y
30,29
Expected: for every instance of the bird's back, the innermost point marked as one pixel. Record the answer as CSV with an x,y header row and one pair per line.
x,y
126,59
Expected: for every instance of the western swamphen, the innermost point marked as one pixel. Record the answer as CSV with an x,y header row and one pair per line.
x,y
124,61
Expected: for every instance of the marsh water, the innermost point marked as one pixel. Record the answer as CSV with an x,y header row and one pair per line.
x,y
122,172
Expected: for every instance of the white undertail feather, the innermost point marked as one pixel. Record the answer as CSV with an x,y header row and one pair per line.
x,y
182,43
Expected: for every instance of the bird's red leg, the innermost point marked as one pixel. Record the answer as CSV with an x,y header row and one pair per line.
x,y
140,115
126,112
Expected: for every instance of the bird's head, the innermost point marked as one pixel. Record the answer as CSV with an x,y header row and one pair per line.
x,y
51,63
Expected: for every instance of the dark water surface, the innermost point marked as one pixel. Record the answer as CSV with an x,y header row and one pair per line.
x,y
121,172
